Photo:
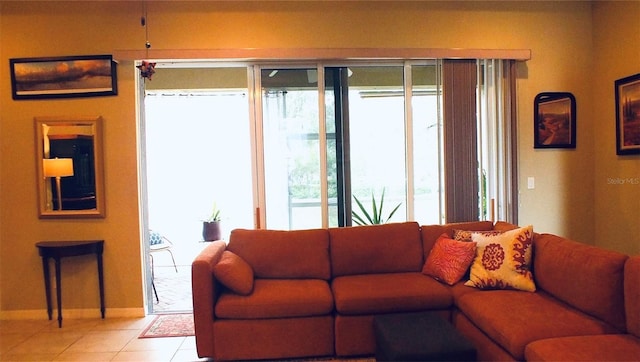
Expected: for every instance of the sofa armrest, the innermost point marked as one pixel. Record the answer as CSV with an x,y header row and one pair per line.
x,y
204,290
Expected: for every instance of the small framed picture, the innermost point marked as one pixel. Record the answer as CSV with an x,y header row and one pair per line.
x,y
63,77
628,115
555,120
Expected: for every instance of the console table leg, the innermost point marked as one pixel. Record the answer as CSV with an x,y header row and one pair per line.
x,y
59,291
47,285
101,284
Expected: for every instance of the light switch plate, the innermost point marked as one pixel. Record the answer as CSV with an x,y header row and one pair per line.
x,y
531,183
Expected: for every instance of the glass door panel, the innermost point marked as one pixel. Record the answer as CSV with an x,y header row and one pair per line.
x,y
426,144
195,152
365,150
290,119
377,138
198,154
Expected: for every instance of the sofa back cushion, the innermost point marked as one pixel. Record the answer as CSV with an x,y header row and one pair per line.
x,y
387,248
284,254
431,233
632,294
588,278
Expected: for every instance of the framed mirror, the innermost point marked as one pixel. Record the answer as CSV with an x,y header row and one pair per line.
x,y
69,167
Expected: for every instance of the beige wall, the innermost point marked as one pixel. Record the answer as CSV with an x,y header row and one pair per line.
x,y
576,47
616,205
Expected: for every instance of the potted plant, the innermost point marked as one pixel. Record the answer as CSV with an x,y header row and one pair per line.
x,y
211,225
376,216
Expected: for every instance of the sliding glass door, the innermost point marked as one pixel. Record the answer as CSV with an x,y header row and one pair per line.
x,y
320,143
329,147
198,153
427,187
298,147
378,154
290,140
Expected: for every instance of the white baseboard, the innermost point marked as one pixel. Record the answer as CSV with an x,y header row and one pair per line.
x,y
72,313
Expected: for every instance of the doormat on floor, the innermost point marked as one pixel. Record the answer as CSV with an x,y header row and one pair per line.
x,y
169,325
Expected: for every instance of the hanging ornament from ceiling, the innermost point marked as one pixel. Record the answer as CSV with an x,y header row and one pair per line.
x,y
147,68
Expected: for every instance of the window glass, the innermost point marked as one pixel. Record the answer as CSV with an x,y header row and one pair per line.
x,y
427,128
291,148
377,139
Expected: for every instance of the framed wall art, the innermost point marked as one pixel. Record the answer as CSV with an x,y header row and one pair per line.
x,y
555,120
628,115
63,77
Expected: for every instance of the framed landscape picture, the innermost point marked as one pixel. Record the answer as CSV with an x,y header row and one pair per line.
x,y
555,120
63,77
628,115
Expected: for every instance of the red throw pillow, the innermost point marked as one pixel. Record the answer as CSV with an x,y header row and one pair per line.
x,y
234,273
449,259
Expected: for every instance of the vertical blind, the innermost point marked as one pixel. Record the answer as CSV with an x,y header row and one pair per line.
x,y
459,84
479,131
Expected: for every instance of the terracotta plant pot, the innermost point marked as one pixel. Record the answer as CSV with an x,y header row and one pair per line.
x,y
211,230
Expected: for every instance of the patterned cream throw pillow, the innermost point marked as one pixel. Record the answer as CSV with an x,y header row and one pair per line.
x,y
503,261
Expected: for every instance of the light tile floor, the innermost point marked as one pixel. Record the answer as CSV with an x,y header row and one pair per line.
x,y
111,339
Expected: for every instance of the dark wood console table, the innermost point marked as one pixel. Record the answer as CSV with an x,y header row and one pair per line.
x,y
60,249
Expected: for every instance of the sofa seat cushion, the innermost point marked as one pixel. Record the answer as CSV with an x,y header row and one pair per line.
x,y
513,319
278,298
606,347
459,289
385,293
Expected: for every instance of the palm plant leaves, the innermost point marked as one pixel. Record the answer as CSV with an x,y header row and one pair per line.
x,y
376,216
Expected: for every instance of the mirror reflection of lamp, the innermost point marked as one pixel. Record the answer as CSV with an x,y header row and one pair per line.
x,y
58,167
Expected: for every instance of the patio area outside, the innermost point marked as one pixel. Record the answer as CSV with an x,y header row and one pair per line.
x,y
174,287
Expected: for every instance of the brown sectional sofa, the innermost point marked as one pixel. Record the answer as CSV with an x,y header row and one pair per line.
x,y
315,293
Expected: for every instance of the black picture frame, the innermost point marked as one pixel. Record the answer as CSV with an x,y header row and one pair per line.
x,y
627,92
63,77
554,123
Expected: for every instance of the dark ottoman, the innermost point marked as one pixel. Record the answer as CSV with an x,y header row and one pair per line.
x,y
422,336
